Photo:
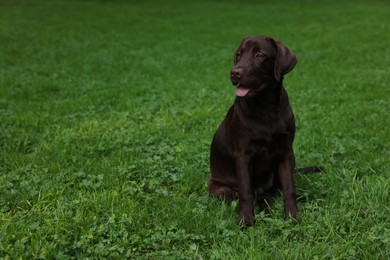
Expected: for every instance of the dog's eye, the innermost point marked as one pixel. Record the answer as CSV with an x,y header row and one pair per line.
x,y
260,55
238,56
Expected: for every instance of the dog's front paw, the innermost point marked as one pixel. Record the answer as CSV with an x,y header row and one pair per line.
x,y
246,218
292,213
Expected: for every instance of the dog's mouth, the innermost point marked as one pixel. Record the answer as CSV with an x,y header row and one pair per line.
x,y
242,91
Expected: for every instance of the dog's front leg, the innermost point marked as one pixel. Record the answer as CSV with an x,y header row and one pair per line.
x,y
286,177
245,201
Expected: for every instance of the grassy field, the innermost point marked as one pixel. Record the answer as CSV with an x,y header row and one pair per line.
x,y
108,108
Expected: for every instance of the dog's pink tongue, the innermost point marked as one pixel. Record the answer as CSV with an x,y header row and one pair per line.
x,y
242,92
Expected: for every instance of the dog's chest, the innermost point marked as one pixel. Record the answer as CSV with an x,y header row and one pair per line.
x,y
272,146
265,136
271,142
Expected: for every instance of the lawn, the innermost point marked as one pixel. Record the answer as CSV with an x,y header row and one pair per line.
x,y
108,108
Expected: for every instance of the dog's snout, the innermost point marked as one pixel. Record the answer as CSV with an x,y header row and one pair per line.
x,y
236,72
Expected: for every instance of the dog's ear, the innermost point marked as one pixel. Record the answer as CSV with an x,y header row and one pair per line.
x,y
284,62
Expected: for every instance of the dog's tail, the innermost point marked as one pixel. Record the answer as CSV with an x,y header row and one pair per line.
x,y
310,169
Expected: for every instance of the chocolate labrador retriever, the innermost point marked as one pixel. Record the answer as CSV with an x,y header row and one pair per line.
x,y
252,151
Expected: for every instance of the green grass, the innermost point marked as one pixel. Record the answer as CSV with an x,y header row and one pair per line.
x,y
107,110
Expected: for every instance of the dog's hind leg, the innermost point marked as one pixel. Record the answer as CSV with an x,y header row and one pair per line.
x,y
222,191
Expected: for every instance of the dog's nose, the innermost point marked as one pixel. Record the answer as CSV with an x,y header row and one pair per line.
x,y
236,72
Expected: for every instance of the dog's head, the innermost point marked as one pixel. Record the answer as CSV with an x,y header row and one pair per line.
x,y
259,61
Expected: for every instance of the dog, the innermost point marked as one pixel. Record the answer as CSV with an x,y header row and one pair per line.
x,y
251,153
